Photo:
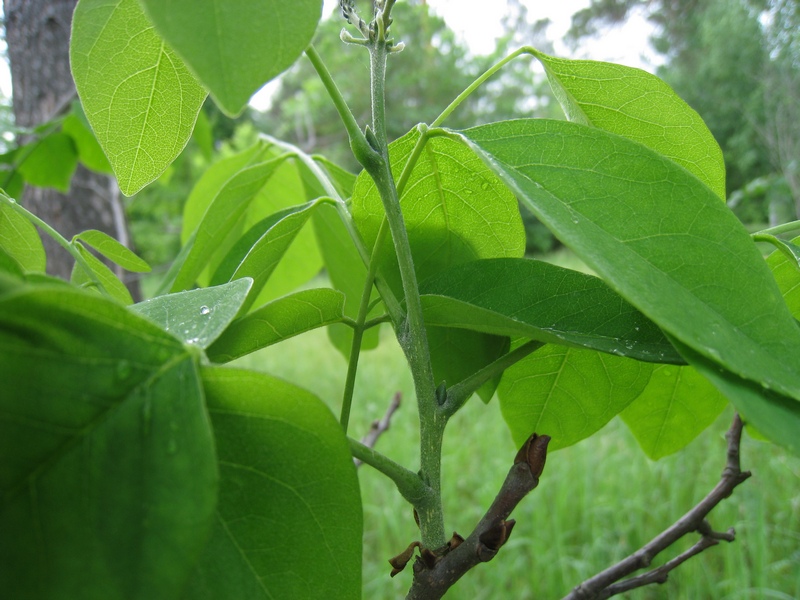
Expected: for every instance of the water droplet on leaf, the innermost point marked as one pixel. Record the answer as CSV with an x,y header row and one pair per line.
x,y
204,310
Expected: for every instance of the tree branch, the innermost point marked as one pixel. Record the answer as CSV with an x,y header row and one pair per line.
x,y
604,585
379,426
435,571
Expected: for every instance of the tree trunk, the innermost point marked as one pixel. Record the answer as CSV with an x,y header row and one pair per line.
x,y
37,33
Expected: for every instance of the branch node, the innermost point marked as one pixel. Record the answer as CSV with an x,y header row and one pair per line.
x,y
534,453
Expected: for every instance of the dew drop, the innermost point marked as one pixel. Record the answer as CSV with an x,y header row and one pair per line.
x,y
204,310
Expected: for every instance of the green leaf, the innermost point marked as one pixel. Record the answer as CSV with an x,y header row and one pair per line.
x,y
213,180
89,151
788,249
787,275
639,106
236,46
473,350
139,97
455,210
203,134
343,180
49,162
259,251
108,457
277,321
770,412
19,238
113,250
289,521
567,393
9,265
657,236
111,283
675,407
520,297
13,182
348,275
222,216
197,317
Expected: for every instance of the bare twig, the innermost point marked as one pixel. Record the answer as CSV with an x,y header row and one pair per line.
x,y
604,585
435,571
379,426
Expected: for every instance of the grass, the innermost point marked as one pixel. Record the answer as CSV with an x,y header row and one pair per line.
x,y
598,500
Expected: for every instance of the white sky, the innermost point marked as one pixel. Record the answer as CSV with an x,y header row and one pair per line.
x,y
478,23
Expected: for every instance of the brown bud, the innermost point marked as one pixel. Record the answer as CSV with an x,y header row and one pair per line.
x,y
493,539
455,541
534,452
400,561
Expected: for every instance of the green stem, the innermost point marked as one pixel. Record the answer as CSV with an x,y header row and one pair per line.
x,y
479,81
411,487
779,229
411,333
61,240
358,142
377,321
461,392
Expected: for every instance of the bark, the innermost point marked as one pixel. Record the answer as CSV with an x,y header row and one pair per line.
x,y
37,33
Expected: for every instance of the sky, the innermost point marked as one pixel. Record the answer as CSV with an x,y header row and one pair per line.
x,y
478,23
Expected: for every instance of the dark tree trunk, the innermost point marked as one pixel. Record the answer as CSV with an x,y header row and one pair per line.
x,y
37,33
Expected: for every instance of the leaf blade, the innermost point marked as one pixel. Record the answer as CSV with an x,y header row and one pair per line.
x,y
213,37
141,104
302,538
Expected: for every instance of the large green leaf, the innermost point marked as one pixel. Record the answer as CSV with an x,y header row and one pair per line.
x,y
529,298
236,46
675,407
456,210
639,106
197,316
658,236
20,240
770,412
138,96
109,474
279,320
288,524
568,393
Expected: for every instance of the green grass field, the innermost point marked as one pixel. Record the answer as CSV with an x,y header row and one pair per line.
x,y
597,501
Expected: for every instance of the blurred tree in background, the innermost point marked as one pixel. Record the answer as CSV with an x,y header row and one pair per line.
x,y
737,63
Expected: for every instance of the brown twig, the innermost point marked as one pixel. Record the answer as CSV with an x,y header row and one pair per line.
x,y
435,571
379,426
607,584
